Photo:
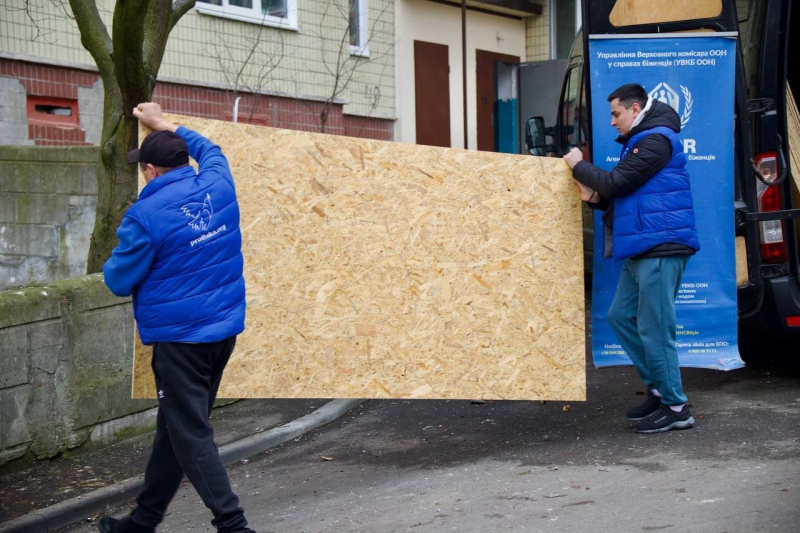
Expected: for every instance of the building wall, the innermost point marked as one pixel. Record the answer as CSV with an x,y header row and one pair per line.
x,y
51,83
48,198
437,23
66,366
19,79
206,53
537,35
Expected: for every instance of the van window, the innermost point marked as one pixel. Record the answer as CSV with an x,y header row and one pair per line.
x,y
751,29
743,14
573,111
633,12
570,108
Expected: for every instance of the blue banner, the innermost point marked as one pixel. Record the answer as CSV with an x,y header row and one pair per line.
x,y
695,75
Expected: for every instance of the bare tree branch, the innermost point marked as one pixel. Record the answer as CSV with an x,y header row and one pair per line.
x,y
63,6
94,36
33,20
251,74
35,17
347,65
263,75
179,9
240,75
322,39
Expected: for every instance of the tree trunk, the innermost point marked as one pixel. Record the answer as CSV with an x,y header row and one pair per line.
x,y
128,65
117,180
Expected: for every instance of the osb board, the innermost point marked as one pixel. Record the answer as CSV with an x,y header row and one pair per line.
x,y
633,12
388,270
793,127
742,271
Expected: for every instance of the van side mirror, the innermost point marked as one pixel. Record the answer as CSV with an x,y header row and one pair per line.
x,y
535,132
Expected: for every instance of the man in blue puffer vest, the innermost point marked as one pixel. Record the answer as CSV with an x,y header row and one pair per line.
x,y
649,223
179,255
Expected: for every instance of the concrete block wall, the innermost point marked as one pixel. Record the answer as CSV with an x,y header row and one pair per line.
x,y
90,104
65,367
48,198
13,114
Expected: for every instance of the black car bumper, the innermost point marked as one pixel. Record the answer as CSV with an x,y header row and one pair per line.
x,y
780,308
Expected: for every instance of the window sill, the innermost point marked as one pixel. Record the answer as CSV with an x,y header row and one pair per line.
x,y
274,22
359,52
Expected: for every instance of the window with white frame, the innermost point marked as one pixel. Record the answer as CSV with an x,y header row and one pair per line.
x,y
359,28
278,13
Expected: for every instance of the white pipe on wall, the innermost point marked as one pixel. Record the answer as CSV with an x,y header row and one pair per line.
x,y
236,109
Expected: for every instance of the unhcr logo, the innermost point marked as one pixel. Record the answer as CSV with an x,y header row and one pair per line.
x,y
667,95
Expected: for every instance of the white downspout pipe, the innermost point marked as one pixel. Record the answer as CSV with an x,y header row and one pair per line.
x,y
236,109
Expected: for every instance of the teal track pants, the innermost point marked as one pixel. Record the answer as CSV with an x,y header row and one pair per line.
x,y
643,317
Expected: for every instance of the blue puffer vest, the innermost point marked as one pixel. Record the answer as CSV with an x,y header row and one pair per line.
x,y
661,210
194,291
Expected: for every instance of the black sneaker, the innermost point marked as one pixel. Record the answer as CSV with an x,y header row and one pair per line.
x,y
647,408
666,419
126,525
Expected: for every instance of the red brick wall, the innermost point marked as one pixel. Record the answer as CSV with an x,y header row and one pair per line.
x,y
368,128
58,82
44,80
265,110
54,82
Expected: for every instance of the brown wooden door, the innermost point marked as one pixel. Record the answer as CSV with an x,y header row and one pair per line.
x,y
432,93
484,80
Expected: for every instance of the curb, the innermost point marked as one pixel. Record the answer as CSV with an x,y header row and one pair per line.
x,y
77,509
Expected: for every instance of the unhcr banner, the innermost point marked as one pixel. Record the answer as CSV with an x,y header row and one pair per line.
x,y
695,75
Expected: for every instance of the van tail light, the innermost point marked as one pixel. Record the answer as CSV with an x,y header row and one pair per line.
x,y
773,245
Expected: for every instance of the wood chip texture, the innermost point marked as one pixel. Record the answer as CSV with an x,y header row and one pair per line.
x,y
634,12
387,270
793,127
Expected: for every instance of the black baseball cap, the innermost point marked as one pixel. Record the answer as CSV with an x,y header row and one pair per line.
x,y
162,149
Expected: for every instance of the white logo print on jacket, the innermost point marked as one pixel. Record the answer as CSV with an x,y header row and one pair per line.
x,y
200,214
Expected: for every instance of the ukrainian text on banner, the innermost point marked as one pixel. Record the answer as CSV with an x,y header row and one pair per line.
x,y
695,75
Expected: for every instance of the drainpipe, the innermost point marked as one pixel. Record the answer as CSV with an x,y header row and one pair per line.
x,y
236,109
464,67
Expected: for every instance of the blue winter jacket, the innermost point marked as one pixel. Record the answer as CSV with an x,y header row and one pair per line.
x,y
660,211
646,197
179,252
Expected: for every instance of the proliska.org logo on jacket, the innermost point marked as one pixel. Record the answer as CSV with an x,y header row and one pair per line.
x,y
667,95
199,213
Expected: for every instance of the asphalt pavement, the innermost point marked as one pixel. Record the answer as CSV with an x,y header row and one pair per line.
x,y
530,466
26,486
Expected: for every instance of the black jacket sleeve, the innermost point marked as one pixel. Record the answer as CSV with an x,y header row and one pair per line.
x,y
650,155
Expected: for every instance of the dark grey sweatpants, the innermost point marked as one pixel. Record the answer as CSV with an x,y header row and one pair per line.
x,y
187,380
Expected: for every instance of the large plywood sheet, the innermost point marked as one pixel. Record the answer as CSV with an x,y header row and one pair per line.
x,y
793,127
388,270
634,12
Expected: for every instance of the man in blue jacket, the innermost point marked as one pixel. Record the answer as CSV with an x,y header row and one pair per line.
x,y
179,255
649,223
